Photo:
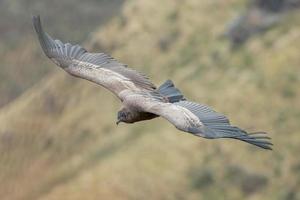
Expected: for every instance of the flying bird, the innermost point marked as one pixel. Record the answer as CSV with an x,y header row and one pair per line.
x,y
141,99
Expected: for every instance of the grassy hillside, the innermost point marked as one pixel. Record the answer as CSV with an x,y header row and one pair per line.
x,y
59,139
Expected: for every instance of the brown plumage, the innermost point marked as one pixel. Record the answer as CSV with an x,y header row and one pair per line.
x,y
140,98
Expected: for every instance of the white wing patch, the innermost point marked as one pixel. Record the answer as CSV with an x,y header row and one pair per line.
x,y
180,117
111,80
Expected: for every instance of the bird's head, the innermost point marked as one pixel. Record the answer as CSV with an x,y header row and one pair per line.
x,y
124,115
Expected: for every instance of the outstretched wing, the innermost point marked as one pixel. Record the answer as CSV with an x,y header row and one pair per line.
x,y
195,118
96,67
216,125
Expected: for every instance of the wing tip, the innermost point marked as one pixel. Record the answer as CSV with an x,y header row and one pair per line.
x,y
35,17
259,139
36,21
45,40
255,139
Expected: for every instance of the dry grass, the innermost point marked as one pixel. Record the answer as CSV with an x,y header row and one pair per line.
x,y
64,143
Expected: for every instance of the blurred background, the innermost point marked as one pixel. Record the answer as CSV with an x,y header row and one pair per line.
x,y
58,138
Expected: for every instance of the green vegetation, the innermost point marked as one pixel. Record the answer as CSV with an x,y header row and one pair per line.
x,y
58,140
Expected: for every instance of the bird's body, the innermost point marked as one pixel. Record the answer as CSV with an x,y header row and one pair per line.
x,y
132,115
141,99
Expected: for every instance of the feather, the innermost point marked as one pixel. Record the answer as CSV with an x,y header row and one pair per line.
x,y
217,125
76,58
169,90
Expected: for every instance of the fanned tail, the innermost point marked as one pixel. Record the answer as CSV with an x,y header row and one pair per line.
x,y
169,90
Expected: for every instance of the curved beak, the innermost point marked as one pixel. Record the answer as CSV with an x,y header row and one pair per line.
x,y
117,122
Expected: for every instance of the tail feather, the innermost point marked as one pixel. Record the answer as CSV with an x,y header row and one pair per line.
x,y
169,90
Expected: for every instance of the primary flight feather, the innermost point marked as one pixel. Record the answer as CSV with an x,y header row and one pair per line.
x,y
140,98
